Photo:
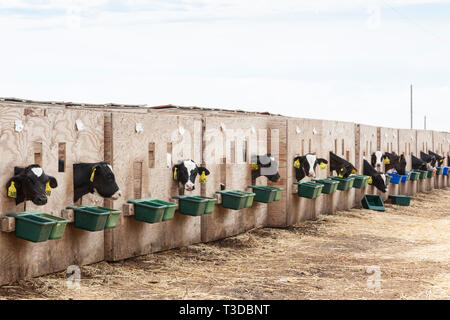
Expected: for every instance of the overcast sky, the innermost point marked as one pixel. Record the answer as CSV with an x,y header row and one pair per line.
x,y
349,60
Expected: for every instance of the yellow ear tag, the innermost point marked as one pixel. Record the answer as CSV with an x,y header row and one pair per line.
x,y
340,175
12,192
254,166
297,164
203,177
442,160
92,175
387,161
370,180
175,175
354,171
323,166
48,189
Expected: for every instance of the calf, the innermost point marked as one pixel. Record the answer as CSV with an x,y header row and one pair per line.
x,y
96,178
342,167
439,159
30,183
185,172
377,160
395,162
265,165
306,166
418,164
430,160
376,179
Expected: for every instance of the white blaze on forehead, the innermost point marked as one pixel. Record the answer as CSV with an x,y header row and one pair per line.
x,y
190,165
378,155
311,158
37,171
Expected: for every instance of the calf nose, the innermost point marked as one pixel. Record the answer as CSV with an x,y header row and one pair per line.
x,y
189,186
116,195
40,200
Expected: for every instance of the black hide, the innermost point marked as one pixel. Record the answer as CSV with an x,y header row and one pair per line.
x,y
398,163
104,180
439,159
377,178
29,186
428,159
183,176
341,166
303,170
418,164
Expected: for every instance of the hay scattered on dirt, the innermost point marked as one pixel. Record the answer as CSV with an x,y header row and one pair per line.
x,y
322,259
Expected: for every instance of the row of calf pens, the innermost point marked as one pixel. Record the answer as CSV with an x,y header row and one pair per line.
x,y
143,143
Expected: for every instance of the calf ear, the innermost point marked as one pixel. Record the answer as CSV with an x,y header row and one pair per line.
x,y
53,182
14,189
322,163
203,169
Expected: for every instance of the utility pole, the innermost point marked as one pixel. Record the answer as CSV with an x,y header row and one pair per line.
x,y
425,122
411,106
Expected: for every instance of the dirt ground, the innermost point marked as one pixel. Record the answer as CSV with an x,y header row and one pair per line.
x,y
328,258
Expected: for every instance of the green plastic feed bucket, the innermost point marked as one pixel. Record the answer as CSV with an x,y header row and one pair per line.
x,y
148,210
210,203
400,200
329,186
233,200
90,218
360,181
278,193
344,183
191,206
169,211
32,227
439,170
430,173
309,190
373,202
263,193
250,196
414,176
113,218
422,174
58,228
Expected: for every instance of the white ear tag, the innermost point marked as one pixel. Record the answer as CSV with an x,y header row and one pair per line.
x,y
79,124
139,127
18,125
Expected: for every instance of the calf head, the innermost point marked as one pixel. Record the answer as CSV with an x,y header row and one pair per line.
x,y
430,160
186,171
342,167
265,165
439,159
418,164
376,179
306,166
95,177
377,160
30,183
395,162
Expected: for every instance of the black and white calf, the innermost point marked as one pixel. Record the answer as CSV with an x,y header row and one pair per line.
x,y
30,183
418,164
430,160
342,167
265,165
377,160
185,172
439,159
306,166
395,162
377,179
95,177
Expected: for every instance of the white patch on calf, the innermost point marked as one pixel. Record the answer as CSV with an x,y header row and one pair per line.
x,y
190,166
37,171
109,166
378,155
311,158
